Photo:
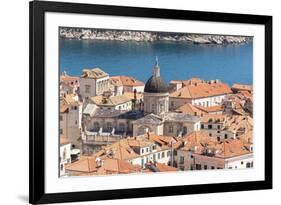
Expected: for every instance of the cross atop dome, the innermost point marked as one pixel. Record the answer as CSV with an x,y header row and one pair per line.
x,y
156,69
156,60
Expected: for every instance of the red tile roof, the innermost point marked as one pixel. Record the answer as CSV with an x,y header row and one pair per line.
x,y
125,81
201,90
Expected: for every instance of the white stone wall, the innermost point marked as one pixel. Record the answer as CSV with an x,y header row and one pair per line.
x,y
190,160
209,101
156,129
240,162
139,89
205,102
127,106
161,156
157,103
65,157
97,86
102,85
118,90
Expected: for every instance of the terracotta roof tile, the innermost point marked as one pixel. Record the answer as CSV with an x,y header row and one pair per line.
x,y
210,109
201,90
125,81
190,109
84,164
111,101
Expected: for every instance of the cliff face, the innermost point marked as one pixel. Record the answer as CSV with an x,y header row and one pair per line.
x,y
144,36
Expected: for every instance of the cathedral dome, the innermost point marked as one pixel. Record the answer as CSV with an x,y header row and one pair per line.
x,y
155,84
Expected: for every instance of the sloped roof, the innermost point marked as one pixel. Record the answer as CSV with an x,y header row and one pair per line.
x,y
125,81
201,90
111,166
173,116
149,119
87,165
190,109
111,101
90,109
210,109
94,73
84,164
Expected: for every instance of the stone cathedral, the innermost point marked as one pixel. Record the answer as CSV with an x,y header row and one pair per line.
x,y
157,117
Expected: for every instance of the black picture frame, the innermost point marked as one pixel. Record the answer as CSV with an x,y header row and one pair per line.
x,y
37,11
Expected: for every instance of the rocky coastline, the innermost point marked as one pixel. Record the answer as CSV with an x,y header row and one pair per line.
x,y
145,36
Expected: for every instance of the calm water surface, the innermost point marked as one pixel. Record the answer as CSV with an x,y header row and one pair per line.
x,y
178,60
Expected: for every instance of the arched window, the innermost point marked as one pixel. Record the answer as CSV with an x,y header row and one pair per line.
x,y
122,127
109,126
161,107
184,130
96,126
168,153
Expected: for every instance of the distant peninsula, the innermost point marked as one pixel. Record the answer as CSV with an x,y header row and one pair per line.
x,y
147,36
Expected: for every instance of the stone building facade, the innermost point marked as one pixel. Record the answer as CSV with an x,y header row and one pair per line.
x,y
93,82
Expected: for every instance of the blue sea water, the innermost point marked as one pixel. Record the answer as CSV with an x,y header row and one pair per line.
x,y
178,60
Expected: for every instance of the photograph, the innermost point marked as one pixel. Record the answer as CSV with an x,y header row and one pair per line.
x,y
146,102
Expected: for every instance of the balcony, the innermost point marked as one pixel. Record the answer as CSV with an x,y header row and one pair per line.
x,y
101,137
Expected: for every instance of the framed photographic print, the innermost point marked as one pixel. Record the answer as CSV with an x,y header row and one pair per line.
x,y
130,102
